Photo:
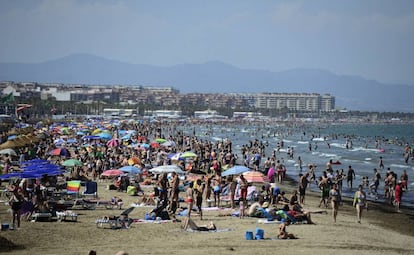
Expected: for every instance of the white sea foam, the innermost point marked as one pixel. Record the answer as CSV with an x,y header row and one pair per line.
x,y
318,139
398,166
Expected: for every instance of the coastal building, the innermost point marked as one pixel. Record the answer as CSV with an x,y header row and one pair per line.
x,y
165,114
168,97
208,114
304,102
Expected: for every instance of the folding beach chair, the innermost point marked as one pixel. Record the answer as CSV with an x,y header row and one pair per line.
x,y
91,189
72,188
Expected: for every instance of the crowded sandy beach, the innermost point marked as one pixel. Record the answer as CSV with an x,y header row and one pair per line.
x,y
159,190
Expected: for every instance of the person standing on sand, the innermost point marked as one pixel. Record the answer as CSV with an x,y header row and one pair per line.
x,y
350,176
199,196
303,184
174,192
360,202
243,184
189,198
232,190
334,197
398,191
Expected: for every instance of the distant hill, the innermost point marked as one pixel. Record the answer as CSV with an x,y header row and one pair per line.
x,y
352,92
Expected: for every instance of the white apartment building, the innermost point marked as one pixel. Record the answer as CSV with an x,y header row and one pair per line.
x,y
295,101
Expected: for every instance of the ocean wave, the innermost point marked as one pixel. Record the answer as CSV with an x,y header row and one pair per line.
x,y
318,139
399,166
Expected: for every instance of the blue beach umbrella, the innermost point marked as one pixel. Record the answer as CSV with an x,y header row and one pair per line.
x,y
235,170
131,169
105,135
10,176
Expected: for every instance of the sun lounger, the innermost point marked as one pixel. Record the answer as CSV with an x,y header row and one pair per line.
x,y
67,216
41,217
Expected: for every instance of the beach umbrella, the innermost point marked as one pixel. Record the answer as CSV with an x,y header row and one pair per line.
x,y
36,161
112,173
60,152
59,141
155,145
160,140
80,133
188,154
72,163
254,176
235,170
175,156
71,140
131,169
113,143
8,151
168,144
10,176
126,137
91,137
105,135
144,145
167,169
43,167
9,144
96,131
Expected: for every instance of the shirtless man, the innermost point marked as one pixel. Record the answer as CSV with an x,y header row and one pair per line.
x,y
175,182
303,184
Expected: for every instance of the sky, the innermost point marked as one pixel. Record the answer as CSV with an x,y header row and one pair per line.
x,y
371,38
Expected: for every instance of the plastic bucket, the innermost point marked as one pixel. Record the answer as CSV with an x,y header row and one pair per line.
x,y
259,233
4,226
249,235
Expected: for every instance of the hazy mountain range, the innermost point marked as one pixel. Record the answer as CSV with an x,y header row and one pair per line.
x,y
351,92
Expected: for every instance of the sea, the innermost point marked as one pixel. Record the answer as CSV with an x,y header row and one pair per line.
x,y
359,145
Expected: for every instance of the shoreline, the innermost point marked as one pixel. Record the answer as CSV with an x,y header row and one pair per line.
x,y
379,213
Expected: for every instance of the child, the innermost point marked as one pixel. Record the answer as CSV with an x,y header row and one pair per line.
x,y
242,212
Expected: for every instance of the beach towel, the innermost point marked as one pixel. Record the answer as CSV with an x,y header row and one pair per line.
x,y
143,221
266,221
219,230
141,205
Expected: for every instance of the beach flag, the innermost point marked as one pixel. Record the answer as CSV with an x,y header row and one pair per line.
x,y
7,98
73,187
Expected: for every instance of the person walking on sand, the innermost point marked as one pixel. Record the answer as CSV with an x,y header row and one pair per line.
x,y
360,202
334,197
16,203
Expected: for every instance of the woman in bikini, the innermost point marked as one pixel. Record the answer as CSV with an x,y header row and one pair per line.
x,y
189,199
360,202
334,197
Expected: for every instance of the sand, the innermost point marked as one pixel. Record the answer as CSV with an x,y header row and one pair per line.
x,y
382,231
